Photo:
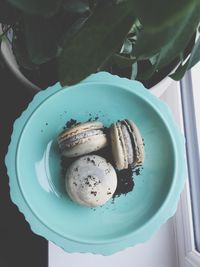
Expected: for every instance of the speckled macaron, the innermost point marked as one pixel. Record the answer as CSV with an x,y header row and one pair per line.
x,y
90,181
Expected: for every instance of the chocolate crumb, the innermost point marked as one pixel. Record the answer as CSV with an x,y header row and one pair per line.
x,y
137,171
70,123
125,182
93,193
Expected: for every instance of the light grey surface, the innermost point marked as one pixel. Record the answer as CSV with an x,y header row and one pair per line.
x,y
192,147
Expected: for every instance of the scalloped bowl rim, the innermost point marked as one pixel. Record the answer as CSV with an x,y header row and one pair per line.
x,y
43,97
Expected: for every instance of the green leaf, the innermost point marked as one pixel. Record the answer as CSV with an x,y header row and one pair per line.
x,y
127,47
72,29
134,71
76,6
41,38
20,51
2,62
153,59
180,72
180,40
193,59
150,42
147,70
40,7
195,55
100,37
8,14
156,14
122,61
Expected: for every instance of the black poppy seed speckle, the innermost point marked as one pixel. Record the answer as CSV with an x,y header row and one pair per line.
x,y
93,193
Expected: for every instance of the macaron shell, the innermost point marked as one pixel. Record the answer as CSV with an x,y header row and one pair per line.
x,y
80,128
128,143
139,145
119,152
87,145
91,181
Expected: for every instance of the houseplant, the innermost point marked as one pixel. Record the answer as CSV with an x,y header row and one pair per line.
x,y
67,40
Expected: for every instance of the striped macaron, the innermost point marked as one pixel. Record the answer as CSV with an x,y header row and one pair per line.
x,y
127,144
82,139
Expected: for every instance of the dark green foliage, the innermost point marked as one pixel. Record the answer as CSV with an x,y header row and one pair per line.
x,y
81,37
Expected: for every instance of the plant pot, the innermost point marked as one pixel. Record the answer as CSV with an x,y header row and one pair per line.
x,y
10,60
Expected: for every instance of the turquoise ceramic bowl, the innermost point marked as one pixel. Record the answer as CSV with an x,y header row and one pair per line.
x,y
37,186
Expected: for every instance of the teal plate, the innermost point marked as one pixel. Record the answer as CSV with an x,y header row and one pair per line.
x,y
37,185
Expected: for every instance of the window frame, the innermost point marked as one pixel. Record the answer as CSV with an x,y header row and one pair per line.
x,y
187,254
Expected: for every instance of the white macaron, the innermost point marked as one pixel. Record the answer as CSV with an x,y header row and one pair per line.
x,y
91,181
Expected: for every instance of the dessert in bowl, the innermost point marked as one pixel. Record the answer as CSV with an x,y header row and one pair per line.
x,y
37,184
92,180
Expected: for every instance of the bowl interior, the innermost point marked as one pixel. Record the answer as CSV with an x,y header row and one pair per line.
x,y
39,170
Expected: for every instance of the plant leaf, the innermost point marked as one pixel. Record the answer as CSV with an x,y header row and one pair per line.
x,y
76,6
180,41
20,51
122,61
195,55
127,47
180,72
100,37
72,30
150,42
134,71
146,71
194,58
8,13
41,38
157,14
40,7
